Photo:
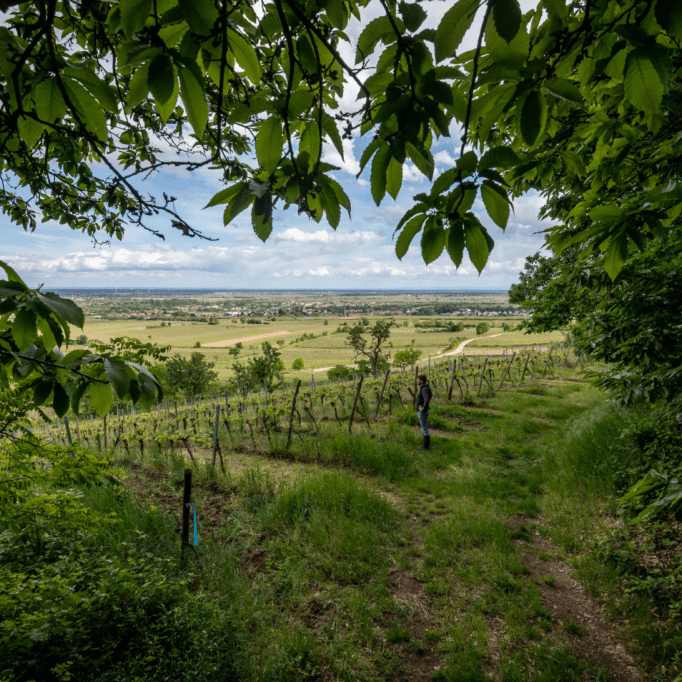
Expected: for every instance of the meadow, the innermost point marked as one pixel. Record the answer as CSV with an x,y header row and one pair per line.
x,y
326,350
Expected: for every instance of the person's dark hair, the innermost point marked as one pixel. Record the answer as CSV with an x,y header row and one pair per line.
x,y
422,378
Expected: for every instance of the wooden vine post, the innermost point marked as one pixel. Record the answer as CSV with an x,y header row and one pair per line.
x,y
507,371
480,385
355,402
525,367
186,499
383,388
293,408
215,433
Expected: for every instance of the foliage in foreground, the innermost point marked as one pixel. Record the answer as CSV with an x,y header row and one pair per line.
x,y
110,618
568,93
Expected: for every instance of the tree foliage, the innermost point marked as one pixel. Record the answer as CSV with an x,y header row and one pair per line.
x,y
262,370
582,96
191,377
371,349
405,357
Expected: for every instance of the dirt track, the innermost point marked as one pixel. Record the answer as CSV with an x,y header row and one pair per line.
x,y
246,339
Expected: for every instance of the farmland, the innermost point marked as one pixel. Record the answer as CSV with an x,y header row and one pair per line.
x,y
325,350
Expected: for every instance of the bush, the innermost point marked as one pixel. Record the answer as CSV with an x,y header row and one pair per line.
x,y
297,364
92,617
338,372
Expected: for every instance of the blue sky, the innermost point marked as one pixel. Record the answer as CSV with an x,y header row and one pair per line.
x,y
300,254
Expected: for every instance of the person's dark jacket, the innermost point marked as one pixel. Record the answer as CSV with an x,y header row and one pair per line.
x,y
424,397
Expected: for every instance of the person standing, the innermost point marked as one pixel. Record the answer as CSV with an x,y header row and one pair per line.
x,y
423,400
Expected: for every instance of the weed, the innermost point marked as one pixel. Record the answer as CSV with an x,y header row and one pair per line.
x,y
398,634
433,636
505,584
548,580
574,628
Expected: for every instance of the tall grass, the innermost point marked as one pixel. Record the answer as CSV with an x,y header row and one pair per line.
x,y
583,462
579,475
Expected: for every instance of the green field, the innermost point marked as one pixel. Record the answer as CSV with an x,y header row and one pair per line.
x,y
327,350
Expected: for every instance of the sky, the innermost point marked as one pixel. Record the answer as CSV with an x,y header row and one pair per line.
x,y
300,254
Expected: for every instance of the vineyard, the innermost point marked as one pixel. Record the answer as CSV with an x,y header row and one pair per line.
x,y
303,414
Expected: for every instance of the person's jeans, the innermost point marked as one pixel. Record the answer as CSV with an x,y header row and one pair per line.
x,y
424,421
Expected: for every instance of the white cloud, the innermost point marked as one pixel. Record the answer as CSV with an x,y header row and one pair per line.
x,y
445,158
348,163
358,239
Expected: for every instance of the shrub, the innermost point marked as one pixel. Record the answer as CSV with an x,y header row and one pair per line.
x,y
93,617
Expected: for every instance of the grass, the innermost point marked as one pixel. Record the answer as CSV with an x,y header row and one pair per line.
x,y
332,560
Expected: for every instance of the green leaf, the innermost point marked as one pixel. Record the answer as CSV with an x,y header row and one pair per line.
x,y
454,24
139,88
433,240
338,190
454,242
467,163
329,127
118,376
507,17
60,400
407,235
134,15
557,8
669,17
511,54
616,255
24,329
88,108
76,396
531,117
605,212
101,397
502,158
643,86
30,130
224,195
173,34
495,200
245,55
413,15
49,101
444,181
236,205
269,144
201,15
369,150
261,216
299,102
476,242
422,159
565,90
332,207
194,100
310,141
12,275
106,95
63,308
378,176
371,35
394,177
42,389
161,78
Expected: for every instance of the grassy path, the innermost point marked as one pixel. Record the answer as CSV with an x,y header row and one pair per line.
x,y
437,565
